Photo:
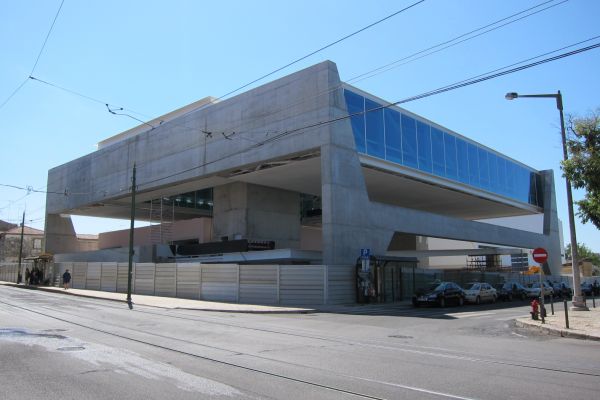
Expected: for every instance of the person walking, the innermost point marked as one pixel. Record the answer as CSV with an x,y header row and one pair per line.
x,y
66,279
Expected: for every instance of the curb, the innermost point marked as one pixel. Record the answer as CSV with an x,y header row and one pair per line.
x,y
555,331
90,296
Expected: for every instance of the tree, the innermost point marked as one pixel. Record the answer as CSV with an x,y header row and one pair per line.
x,y
584,253
583,166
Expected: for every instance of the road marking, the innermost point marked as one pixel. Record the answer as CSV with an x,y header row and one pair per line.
x,y
470,314
421,390
519,335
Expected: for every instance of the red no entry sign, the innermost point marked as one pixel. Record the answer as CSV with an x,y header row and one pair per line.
x,y
540,255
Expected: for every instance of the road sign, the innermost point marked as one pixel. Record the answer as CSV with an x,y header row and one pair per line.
x,y
365,253
540,255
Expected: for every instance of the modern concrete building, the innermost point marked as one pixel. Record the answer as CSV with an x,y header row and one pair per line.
x,y
309,164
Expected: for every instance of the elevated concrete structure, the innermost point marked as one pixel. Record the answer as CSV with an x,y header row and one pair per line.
x,y
262,150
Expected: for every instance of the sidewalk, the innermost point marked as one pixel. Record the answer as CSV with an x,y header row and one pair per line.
x,y
168,302
582,324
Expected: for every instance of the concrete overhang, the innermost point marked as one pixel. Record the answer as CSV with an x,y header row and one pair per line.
x,y
386,183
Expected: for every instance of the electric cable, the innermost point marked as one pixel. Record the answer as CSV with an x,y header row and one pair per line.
x,y
321,49
37,58
371,73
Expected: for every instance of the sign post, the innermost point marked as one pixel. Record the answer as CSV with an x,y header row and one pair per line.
x,y
540,256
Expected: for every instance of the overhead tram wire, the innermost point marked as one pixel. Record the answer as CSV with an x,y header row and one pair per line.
x,y
470,81
406,100
453,42
371,73
321,49
37,59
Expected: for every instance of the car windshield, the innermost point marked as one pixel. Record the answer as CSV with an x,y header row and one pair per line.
x,y
436,287
474,286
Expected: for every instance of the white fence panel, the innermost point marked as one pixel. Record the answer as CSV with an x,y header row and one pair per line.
x,y
258,284
341,283
219,282
188,281
301,284
165,283
94,275
144,278
122,271
79,275
108,280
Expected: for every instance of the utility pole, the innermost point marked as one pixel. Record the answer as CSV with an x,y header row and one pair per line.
x,y
21,247
130,266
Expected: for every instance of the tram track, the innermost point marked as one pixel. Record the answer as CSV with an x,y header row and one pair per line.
x,y
399,347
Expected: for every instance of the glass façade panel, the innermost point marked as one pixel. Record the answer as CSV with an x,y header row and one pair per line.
x,y
437,152
424,146
450,156
473,165
393,136
375,136
409,141
493,168
462,157
356,105
484,171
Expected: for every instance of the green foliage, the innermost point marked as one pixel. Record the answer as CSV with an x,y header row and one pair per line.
x,y
584,253
583,166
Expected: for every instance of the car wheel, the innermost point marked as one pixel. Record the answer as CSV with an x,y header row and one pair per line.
x,y
442,302
510,298
477,300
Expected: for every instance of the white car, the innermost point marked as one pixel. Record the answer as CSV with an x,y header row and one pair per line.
x,y
535,290
480,291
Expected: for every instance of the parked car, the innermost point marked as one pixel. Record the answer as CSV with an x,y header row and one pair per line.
x,y
480,291
561,290
441,294
535,290
587,289
508,291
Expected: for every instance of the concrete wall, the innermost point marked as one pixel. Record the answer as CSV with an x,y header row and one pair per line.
x,y
257,213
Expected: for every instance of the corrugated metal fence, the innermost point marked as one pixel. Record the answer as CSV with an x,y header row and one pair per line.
x,y
250,284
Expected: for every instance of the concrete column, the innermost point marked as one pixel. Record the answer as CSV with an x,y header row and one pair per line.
x,y
257,213
551,224
60,235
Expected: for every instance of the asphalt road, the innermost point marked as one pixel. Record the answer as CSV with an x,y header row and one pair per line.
x,y
65,347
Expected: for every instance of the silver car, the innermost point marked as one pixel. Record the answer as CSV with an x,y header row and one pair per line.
x,y
478,292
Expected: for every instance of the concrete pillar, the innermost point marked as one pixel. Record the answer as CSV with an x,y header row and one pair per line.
x,y
551,224
257,213
60,235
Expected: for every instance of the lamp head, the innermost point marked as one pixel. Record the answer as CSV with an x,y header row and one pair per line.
x,y
511,95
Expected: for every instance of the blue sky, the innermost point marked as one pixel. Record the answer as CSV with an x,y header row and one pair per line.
x,y
155,56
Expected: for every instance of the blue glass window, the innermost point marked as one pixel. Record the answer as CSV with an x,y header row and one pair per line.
x,y
450,153
424,146
393,138
356,104
409,141
437,152
493,168
502,179
375,135
462,156
473,165
484,171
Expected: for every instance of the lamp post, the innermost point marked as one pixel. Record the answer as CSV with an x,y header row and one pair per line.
x,y
578,303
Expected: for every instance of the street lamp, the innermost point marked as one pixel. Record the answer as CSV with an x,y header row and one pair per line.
x,y
578,303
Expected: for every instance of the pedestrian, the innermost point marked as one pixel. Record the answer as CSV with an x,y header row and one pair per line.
x,y
66,279
27,275
595,288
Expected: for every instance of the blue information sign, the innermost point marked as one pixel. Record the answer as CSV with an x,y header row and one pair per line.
x,y
365,253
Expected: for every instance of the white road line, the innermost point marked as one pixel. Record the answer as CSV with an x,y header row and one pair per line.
x,y
421,390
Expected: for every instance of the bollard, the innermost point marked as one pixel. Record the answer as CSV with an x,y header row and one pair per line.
x,y
552,304
594,301
566,314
